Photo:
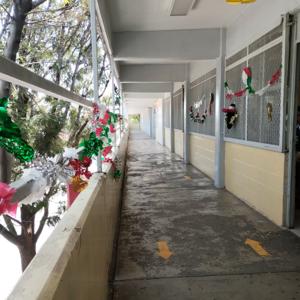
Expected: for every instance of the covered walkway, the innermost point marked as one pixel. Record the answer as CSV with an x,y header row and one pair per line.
x,y
181,238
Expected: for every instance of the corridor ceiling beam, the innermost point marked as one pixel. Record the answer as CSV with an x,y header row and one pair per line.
x,y
146,87
106,31
166,45
141,96
153,73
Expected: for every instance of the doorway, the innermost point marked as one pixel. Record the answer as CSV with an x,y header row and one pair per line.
x,y
134,122
296,152
293,209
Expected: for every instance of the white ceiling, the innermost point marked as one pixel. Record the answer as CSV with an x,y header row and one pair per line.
x,y
138,15
141,103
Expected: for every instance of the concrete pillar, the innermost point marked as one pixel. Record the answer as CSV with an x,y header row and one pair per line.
x,y
219,116
113,98
150,117
172,143
186,140
163,121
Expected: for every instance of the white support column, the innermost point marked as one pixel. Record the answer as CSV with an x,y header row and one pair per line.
x,y
172,141
186,140
163,122
150,117
121,109
219,117
113,98
95,64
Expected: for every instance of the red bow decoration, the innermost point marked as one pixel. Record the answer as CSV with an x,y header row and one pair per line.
x,y
81,166
275,77
6,193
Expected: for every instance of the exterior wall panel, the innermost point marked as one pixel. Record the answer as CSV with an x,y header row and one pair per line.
x,y
257,177
178,141
168,138
202,153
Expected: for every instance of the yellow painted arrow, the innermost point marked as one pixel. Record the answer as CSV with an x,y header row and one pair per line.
x,y
257,247
163,250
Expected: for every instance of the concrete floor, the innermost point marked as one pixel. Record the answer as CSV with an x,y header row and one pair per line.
x,y
173,209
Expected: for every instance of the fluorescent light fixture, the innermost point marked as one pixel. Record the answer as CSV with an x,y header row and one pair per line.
x,y
182,7
240,1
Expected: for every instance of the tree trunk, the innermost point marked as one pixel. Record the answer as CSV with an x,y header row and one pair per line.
x,y
20,10
27,253
27,248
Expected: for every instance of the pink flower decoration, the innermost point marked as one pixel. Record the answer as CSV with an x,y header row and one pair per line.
x,y
99,131
105,119
6,193
106,151
112,128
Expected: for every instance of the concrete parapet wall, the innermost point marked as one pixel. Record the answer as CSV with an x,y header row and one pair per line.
x,y
74,262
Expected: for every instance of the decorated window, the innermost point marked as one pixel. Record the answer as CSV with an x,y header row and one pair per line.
x,y
253,92
202,105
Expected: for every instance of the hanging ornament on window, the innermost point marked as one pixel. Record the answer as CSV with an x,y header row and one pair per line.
x,y
10,136
195,113
211,104
270,111
231,115
247,80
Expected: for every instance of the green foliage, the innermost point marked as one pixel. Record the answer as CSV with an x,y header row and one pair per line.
x,y
56,44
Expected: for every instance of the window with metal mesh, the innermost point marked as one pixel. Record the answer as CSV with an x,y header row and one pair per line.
x,y
233,78
200,99
178,111
166,104
263,112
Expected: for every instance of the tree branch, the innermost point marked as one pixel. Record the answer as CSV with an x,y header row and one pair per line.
x,y
37,3
104,89
9,224
9,236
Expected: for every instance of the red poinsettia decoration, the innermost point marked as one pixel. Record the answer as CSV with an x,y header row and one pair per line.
x,y
6,194
112,128
81,167
99,131
105,119
106,151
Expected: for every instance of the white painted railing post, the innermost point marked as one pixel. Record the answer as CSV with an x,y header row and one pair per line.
x,y
92,6
113,97
219,117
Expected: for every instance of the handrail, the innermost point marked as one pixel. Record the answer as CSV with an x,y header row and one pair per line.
x,y
16,74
